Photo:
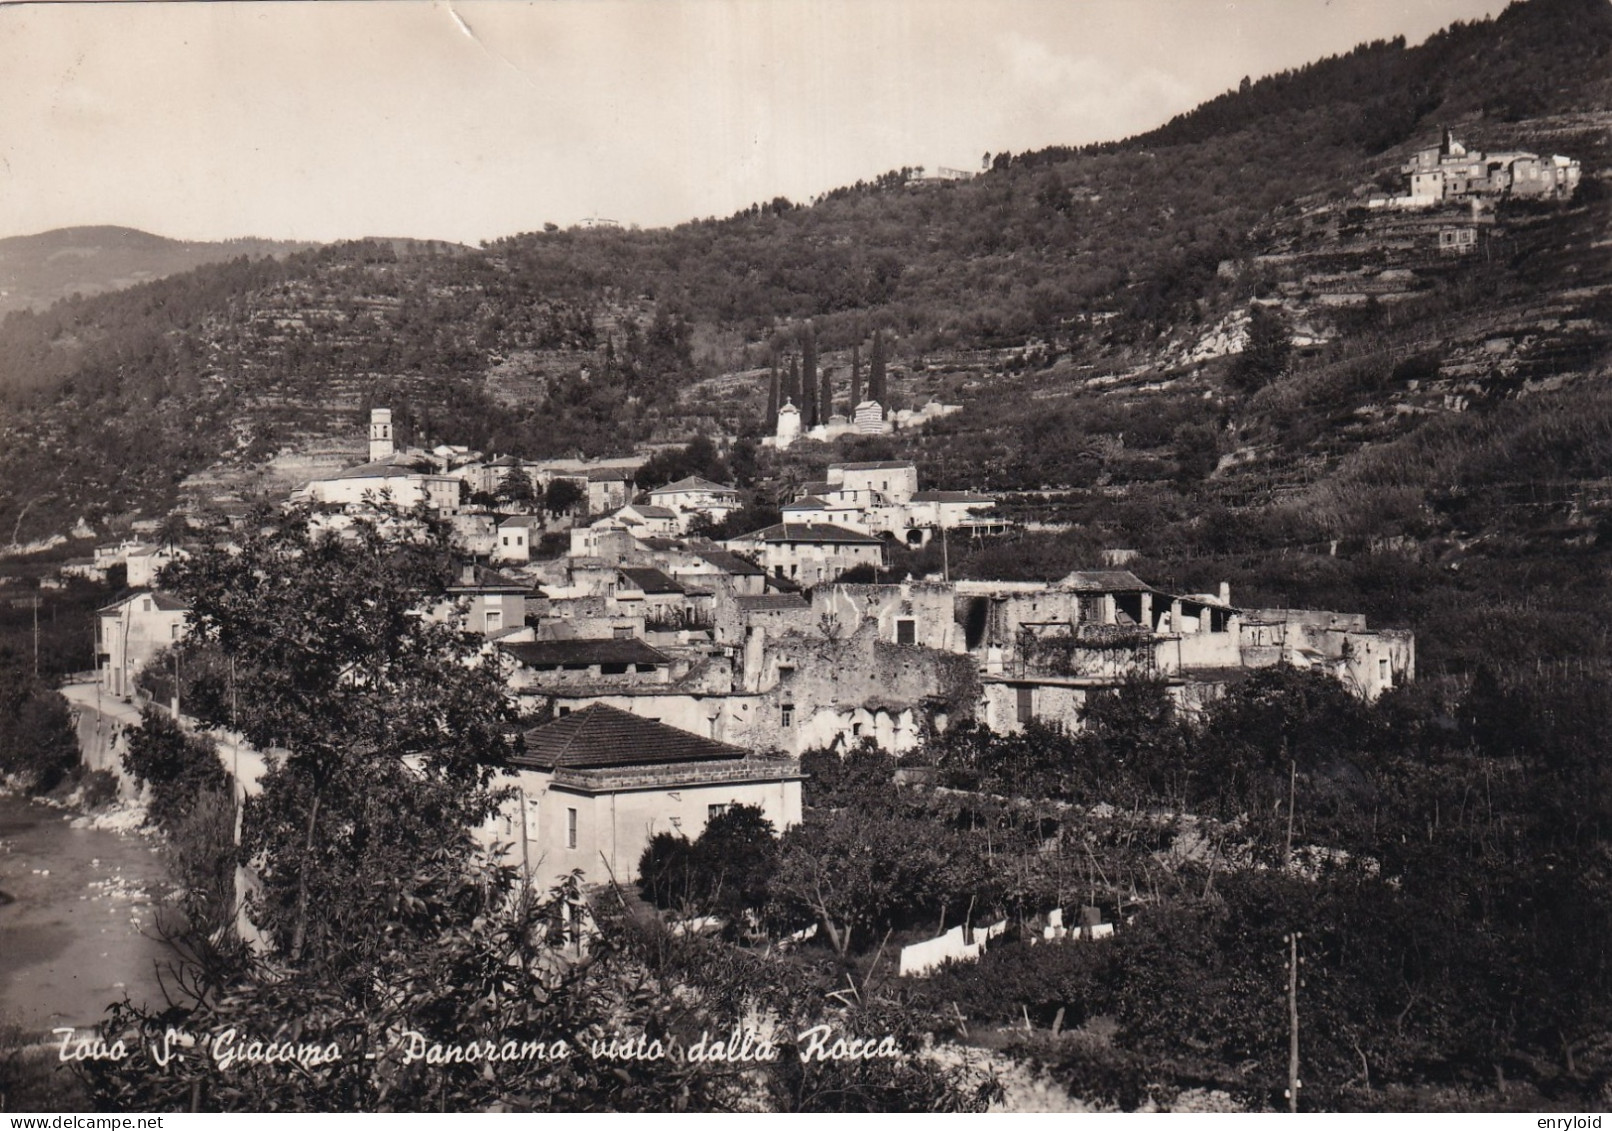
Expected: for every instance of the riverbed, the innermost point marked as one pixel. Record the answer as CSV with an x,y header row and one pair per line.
x,y
79,928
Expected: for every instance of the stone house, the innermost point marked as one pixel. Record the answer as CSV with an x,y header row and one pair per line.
x,y
809,553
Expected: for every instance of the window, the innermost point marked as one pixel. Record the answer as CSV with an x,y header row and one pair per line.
x,y
1026,697
788,715
570,828
785,670
1383,672
495,620
173,632
506,539
856,730
906,631
562,712
712,812
621,632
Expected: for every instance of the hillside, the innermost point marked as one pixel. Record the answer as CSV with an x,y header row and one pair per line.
x,y
1087,305
38,270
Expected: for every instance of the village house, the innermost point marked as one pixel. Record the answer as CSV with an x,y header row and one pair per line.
x,y
809,553
693,496
648,521
886,481
596,786
493,602
608,488
517,536
1449,173
546,666
130,631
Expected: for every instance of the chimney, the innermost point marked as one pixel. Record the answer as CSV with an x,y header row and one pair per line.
x,y
467,574
1225,592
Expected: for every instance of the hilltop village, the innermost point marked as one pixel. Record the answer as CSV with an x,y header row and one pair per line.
x,y
704,668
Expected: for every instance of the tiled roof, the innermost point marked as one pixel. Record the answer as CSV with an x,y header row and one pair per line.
x,y
875,465
541,653
382,469
809,503
695,483
1103,581
609,474
645,510
525,520
729,562
598,737
650,580
772,602
816,487
807,532
162,601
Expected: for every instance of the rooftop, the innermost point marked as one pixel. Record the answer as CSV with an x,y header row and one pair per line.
x,y
650,580
555,653
1104,581
603,737
646,510
773,602
162,602
875,465
807,532
695,483
729,562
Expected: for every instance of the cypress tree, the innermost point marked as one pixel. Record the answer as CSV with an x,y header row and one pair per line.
x,y
809,416
825,400
772,393
856,377
876,376
794,381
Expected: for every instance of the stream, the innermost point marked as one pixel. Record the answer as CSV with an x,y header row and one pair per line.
x,y
77,918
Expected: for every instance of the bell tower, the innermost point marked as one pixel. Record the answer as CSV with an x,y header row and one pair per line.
x,y
380,434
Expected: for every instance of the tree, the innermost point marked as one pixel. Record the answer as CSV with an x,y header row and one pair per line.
x,y
856,378
1266,355
174,766
877,380
37,743
810,410
386,729
517,489
773,403
562,495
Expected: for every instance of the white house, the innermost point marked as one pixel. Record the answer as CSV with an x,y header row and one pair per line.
x,y
597,785
516,537
694,495
130,631
893,481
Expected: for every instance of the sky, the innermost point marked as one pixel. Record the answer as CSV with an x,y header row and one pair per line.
x,y
477,119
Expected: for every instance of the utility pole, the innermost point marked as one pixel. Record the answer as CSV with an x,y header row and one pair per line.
x,y
1293,984
1292,791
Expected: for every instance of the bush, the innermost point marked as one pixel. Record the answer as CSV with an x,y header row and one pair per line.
x,y
176,767
98,788
37,743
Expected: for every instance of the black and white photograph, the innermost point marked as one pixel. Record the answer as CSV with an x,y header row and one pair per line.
x,y
805,556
